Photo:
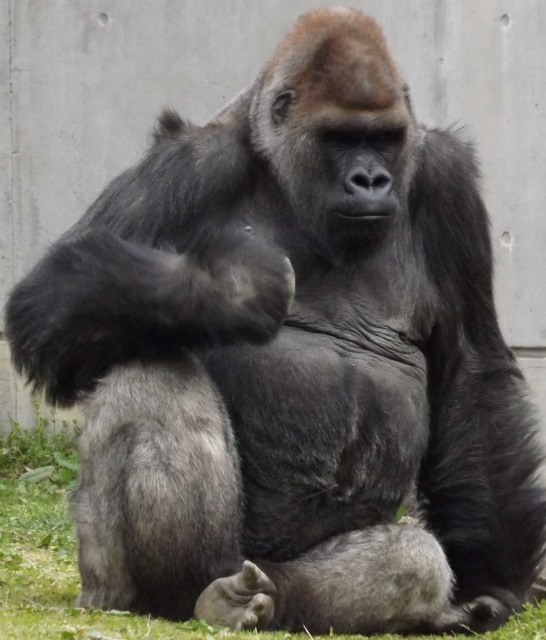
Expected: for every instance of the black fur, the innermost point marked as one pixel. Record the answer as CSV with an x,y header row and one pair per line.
x,y
169,125
117,301
389,369
477,475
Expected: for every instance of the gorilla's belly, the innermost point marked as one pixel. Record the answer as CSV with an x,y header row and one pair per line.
x,y
330,436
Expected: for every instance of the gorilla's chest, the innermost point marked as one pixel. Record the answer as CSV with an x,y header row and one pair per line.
x,y
323,427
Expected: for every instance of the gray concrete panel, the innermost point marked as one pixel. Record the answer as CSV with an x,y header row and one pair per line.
x,y
88,77
8,394
6,228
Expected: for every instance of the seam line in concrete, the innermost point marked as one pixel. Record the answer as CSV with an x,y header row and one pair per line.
x,y
529,352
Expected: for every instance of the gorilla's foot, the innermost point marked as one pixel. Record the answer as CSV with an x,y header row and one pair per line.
x,y
241,601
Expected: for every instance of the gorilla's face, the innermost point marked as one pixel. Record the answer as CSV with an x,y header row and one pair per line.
x,y
361,164
346,177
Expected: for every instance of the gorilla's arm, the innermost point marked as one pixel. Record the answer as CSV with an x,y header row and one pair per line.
x,y
478,478
108,292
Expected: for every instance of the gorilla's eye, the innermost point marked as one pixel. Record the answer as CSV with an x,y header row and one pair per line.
x,y
387,140
280,107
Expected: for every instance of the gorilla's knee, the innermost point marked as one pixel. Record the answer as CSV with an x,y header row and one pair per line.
x,y
422,578
157,507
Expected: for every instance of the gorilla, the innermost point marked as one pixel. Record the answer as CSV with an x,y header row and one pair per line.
x,y
278,325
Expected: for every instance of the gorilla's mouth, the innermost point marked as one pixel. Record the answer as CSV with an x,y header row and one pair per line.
x,y
366,216
363,209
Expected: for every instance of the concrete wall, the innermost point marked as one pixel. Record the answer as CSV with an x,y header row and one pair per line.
x,y
82,80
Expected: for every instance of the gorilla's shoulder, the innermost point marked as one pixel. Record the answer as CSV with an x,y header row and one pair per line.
x,y
217,152
449,149
446,192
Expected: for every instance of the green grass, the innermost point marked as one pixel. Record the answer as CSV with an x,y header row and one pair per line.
x,y
38,572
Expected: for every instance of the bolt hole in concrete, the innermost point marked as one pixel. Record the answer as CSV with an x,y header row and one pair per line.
x,y
505,20
506,239
103,19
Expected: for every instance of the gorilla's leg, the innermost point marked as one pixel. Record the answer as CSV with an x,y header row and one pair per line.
x,y
388,578
157,507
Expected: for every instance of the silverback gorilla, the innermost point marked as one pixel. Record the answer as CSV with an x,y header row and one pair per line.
x,y
248,441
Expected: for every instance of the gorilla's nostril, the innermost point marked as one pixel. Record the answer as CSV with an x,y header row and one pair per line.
x,y
380,182
358,179
361,180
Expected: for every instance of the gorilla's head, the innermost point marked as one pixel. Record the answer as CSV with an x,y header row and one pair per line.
x,y
334,120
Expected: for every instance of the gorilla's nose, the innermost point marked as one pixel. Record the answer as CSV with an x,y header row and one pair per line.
x,y
376,183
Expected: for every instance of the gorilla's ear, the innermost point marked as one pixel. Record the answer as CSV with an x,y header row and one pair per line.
x,y
280,107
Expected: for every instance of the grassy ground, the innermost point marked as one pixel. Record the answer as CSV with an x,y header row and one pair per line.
x,y
38,573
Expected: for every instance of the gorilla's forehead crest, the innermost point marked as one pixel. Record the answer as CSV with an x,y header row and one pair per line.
x,y
337,56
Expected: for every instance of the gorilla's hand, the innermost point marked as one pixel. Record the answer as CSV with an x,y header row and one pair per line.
x,y
483,613
488,613
238,286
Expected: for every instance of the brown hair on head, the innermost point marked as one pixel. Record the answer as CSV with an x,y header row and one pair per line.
x,y
338,56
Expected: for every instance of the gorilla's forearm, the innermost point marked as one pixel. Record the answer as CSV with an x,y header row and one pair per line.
x,y
480,485
96,299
